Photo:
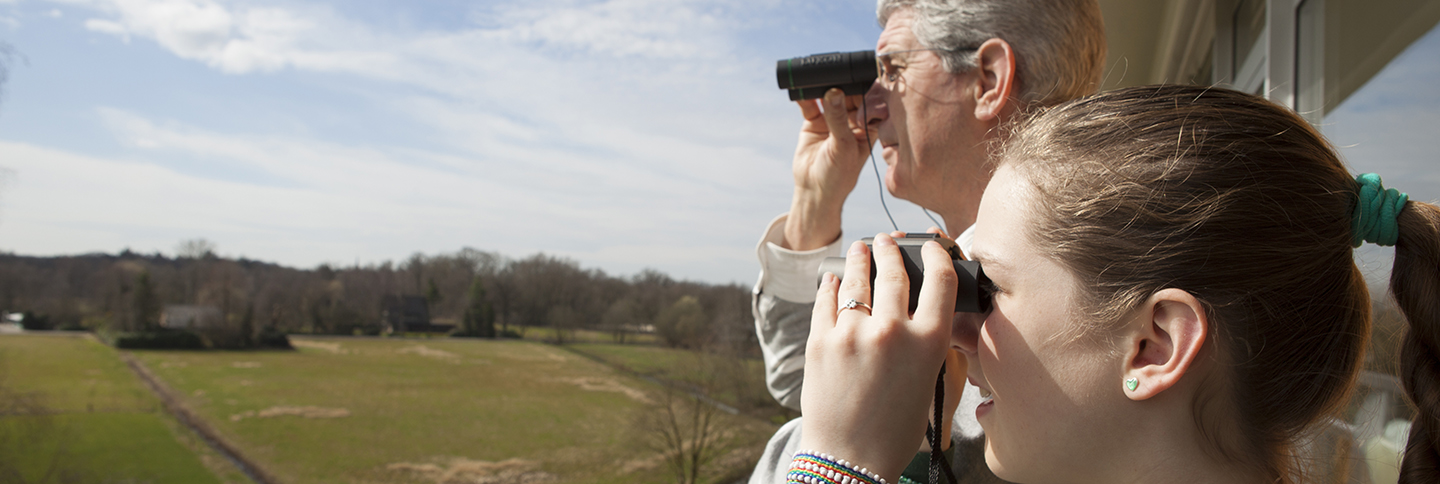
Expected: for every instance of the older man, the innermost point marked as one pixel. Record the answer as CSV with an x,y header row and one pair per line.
x,y
953,72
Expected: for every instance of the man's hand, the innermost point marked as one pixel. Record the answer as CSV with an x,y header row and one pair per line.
x,y
832,151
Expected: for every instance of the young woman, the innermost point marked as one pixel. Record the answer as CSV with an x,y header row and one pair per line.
x,y
1175,300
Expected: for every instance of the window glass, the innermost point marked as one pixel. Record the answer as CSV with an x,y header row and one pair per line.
x,y
1388,127
1249,56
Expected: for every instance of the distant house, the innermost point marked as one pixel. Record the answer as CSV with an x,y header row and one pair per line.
x,y
177,316
409,314
10,323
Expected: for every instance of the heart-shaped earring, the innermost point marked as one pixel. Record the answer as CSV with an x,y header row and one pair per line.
x,y
1132,383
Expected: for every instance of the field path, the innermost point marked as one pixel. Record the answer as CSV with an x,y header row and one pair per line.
x,y
188,419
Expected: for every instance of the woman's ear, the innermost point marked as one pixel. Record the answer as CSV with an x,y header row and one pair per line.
x,y
998,78
1169,332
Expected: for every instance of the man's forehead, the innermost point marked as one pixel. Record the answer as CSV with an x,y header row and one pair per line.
x,y
897,34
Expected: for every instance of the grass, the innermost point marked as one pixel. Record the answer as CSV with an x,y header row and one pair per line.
x,y
415,409
543,333
742,384
100,423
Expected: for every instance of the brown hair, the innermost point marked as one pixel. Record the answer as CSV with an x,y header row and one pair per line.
x,y
1244,205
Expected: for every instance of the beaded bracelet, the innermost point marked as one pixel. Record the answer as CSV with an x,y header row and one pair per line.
x,y
816,468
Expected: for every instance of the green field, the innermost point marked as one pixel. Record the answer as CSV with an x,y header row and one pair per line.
x,y
372,410
742,385
542,333
88,418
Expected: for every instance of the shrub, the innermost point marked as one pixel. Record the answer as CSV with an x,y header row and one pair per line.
x,y
271,338
35,322
164,339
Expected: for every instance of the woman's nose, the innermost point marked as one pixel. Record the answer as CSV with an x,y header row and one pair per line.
x,y
965,332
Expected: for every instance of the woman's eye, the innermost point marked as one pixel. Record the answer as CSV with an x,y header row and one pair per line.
x,y
990,287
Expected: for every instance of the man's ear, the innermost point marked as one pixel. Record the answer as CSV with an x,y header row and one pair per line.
x,y
1167,335
998,79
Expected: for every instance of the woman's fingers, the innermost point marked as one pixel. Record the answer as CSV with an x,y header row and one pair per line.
x,y
892,285
856,284
937,294
822,316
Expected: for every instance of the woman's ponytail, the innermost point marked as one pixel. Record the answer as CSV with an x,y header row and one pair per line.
x,y
1415,282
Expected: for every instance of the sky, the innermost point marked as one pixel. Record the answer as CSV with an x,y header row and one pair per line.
x,y
624,134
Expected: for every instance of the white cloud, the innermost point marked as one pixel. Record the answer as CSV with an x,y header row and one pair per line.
x,y
373,202
233,40
664,29
633,127
108,27
239,38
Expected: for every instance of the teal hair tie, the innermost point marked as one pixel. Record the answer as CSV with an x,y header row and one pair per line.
x,y
1376,210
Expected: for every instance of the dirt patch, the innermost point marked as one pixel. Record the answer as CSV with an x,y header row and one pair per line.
x,y
645,464
429,352
174,364
245,364
331,347
596,384
303,412
459,470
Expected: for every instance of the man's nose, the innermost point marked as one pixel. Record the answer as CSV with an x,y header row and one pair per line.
x,y
876,110
965,332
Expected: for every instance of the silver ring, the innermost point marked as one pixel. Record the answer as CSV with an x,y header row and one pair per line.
x,y
852,304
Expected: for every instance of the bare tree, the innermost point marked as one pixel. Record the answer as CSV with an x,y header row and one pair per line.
x,y
683,425
619,319
194,249
563,320
7,57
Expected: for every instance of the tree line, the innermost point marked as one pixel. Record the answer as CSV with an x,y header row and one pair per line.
x,y
482,293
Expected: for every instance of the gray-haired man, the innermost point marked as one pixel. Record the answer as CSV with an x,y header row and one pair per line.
x,y
953,73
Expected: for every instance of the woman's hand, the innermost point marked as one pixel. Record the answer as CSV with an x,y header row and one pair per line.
x,y
870,374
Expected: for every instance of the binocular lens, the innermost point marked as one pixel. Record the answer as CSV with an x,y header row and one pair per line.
x,y
810,76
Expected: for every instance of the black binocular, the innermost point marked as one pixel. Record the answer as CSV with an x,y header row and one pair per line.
x,y
810,76
973,293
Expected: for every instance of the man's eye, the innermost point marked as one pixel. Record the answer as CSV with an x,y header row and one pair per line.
x,y
888,70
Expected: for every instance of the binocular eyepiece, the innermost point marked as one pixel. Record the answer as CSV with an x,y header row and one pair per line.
x,y
810,76
972,295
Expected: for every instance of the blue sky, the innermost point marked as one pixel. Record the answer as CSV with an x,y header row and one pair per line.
x,y
622,133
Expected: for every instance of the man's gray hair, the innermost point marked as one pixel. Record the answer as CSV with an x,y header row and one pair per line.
x,y
1059,44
